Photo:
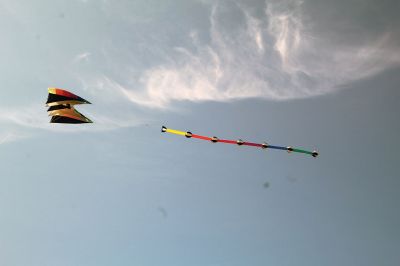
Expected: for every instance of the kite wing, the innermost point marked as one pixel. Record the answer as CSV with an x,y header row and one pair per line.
x,y
61,107
239,142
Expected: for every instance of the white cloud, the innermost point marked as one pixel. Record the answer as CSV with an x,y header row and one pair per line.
x,y
83,57
275,57
25,116
10,137
35,117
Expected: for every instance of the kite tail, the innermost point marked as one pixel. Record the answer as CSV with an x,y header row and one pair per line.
x,y
239,142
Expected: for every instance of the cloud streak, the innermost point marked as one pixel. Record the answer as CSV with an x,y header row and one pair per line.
x,y
272,53
34,117
10,137
81,57
275,56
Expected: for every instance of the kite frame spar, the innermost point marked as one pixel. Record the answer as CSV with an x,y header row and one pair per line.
x,y
239,142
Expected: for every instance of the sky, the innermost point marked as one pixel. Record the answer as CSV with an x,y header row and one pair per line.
x,y
313,74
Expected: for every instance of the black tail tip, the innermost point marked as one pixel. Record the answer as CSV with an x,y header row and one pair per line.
x,y
314,154
214,139
163,129
188,134
264,145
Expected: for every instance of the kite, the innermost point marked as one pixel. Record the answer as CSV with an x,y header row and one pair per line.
x,y
239,142
61,107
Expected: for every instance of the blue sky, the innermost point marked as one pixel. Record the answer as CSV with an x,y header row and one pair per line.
x,y
312,74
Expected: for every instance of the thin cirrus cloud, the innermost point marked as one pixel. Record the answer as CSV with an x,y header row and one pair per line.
x,y
10,137
275,57
35,117
274,54
83,57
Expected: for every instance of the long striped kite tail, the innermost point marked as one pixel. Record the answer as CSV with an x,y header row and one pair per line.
x,y
239,142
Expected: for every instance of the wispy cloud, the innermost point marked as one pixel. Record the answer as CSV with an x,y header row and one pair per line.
x,y
81,57
275,57
35,117
10,137
273,53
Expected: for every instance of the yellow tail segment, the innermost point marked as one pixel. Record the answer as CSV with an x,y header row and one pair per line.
x,y
177,132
